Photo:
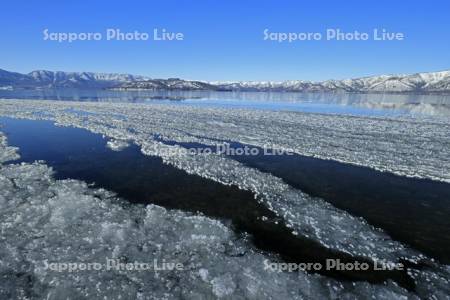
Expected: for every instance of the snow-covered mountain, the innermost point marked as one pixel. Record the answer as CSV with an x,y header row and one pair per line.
x,y
419,82
14,79
43,78
69,78
433,82
168,84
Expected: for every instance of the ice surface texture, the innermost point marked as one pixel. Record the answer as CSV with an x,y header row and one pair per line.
x,y
7,153
420,145
117,145
42,219
406,146
411,147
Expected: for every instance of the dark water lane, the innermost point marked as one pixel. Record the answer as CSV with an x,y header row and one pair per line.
x,y
414,211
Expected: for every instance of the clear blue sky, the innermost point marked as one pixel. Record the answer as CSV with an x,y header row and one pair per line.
x,y
224,39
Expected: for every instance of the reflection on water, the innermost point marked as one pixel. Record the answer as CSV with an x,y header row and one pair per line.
x,y
341,103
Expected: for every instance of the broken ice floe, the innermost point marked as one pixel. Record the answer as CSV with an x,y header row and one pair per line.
x,y
117,145
415,147
43,220
8,153
411,147
386,142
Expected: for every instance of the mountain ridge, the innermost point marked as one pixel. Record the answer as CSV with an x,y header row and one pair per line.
x,y
418,82
425,82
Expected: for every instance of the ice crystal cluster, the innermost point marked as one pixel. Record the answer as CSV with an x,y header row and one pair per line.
x,y
8,153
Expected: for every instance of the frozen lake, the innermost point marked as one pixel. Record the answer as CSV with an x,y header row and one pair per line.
x,y
353,186
414,211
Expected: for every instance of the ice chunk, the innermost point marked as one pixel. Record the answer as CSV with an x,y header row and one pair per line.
x,y
8,153
117,145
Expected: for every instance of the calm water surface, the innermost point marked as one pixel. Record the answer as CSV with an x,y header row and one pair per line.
x,y
334,103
